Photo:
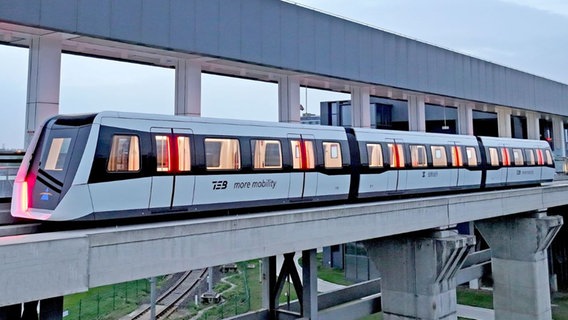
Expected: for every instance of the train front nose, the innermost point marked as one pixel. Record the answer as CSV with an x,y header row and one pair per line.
x,y
48,170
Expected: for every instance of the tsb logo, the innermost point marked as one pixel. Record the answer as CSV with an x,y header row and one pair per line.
x,y
219,185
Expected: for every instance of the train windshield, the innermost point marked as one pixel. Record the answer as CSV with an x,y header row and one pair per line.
x,y
55,162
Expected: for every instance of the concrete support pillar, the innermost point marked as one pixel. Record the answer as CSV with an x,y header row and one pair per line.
x,y
418,273
289,99
533,125
51,309
521,289
558,136
11,312
269,284
361,106
503,121
416,113
44,69
188,88
465,119
310,285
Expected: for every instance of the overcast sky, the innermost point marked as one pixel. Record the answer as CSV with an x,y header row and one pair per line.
x,y
529,35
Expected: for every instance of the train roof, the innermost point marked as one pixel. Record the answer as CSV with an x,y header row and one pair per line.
x,y
97,118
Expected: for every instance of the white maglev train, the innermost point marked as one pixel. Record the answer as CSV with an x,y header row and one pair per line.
x,y
113,165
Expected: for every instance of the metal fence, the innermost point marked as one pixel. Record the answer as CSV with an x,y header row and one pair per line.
x,y
106,302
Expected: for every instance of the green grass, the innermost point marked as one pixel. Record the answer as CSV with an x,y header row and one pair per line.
x,y
475,298
560,306
484,299
332,275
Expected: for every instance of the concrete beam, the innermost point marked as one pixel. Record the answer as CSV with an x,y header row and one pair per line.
x,y
78,260
350,302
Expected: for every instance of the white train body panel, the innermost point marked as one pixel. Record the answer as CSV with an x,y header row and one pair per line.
x,y
76,204
216,189
184,191
332,185
468,178
161,191
121,195
380,183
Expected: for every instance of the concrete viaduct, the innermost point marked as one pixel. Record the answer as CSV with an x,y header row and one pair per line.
x,y
276,41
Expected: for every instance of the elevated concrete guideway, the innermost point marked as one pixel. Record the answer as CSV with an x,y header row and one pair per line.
x,y
60,263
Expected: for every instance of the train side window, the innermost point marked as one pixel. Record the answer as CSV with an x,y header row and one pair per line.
x,y
222,154
518,158
303,156
163,154
493,157
375,155
439,158
332,155
418,156
267,154
505,156
549,160
396,155
184,154
530,157
457,159
471,156
57,154
124,154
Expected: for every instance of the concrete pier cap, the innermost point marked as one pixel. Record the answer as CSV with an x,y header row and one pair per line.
x,y
418,273
521,287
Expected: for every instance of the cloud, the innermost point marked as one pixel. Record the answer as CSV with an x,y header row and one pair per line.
x,y
558,7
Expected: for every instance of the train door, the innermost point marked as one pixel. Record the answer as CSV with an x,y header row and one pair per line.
x,y
397,163
455,174
378,180
497,161
184,179
303,180
162,181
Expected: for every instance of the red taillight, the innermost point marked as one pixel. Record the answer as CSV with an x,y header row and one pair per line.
x,y
24,201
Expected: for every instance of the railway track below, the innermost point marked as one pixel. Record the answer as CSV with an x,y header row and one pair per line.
x,y
170,300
